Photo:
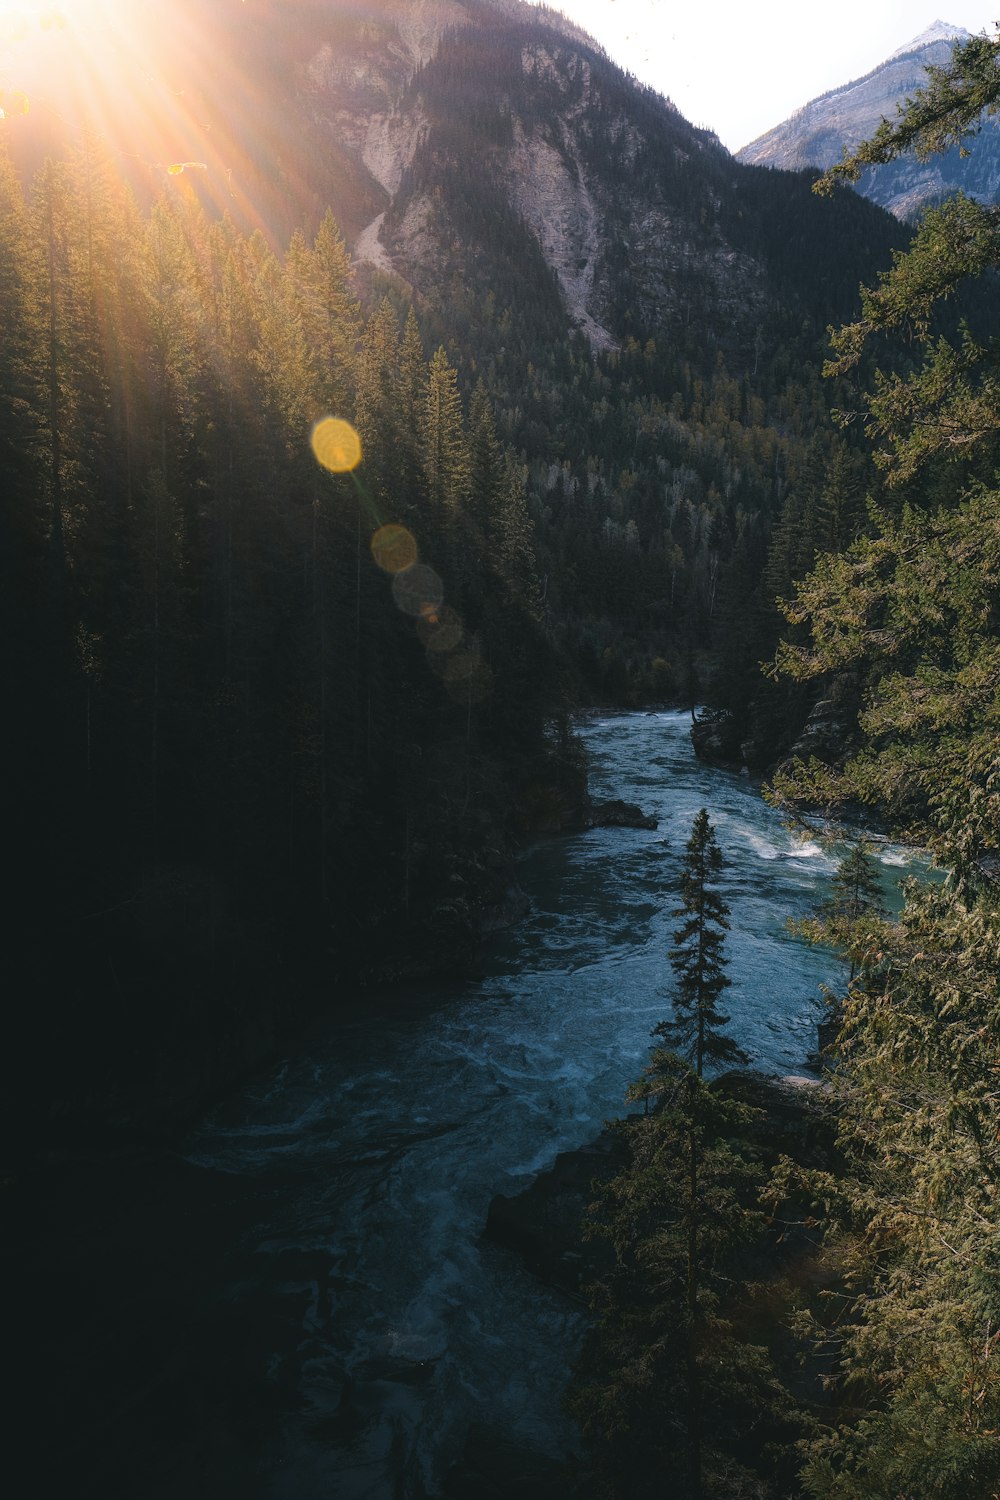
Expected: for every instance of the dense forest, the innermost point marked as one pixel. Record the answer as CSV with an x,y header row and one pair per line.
x,y
883,1245
306,569
239,748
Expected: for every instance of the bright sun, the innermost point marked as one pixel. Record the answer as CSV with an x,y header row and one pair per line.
x,y
150,80
27,25
19,18
46,46
55,52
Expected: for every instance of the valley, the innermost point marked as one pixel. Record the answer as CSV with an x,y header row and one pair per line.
x,y
413,431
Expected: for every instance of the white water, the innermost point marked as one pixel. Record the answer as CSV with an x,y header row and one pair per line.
x,y
374,1152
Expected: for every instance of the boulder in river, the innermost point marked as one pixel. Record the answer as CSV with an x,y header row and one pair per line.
x,y
716,740
616,814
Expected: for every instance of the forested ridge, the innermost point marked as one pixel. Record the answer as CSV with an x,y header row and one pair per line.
x,y
241,764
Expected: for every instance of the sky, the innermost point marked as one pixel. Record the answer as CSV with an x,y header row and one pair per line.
x,y
742,66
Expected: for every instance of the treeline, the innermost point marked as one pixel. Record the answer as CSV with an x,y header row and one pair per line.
x,y
246,756
676,492
883,1266
675,502
667,476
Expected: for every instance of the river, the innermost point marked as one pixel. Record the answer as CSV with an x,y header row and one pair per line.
x,y
370,1155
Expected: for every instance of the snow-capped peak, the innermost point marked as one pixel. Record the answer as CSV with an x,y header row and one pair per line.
x,y
938,31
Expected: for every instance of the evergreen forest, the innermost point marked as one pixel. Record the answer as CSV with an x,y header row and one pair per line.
x,y
898,1310
307,569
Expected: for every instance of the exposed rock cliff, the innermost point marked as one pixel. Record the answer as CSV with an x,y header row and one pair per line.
x,y
614,198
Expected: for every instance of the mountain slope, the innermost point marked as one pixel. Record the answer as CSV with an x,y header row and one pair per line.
x,y
518,162
474,148
818,134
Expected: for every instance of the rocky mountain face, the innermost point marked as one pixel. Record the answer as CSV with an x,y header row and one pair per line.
x,y
818,134
487,149
475,149
492,137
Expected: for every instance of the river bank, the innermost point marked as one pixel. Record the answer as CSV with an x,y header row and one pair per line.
x,y
325,1221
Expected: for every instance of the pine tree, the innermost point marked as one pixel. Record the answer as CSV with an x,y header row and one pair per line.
x,y
912,610
855,895
322,296
20,389
485,463
447,467
852,921
407,383
697,958
665,1383
377,412
514,544
696,1033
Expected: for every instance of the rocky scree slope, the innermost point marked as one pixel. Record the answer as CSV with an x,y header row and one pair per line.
x,y
486,153
506,158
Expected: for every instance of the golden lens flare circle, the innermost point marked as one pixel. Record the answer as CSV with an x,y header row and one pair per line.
x,y
394,548
418,590
440,631
336,445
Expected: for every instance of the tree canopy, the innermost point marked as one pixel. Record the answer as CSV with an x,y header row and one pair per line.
x,y
912,610
952,403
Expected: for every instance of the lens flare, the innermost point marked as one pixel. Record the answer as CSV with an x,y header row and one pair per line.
x,y
463,665
418,590
394,548
440,631
336,445
472,686
15,103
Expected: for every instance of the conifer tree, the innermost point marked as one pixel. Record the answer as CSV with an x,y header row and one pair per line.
x,y
697,957
377,413
856,894
447,469
50,205
665,1384
695,1034
912,610
20,339
409,391
323,297
485,462
515,539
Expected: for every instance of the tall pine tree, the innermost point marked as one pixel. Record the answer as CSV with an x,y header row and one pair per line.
x,y
697,958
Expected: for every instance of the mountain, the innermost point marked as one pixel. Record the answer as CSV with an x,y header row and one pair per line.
x,y
472,148
647,316
582,346
818,134
505,156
